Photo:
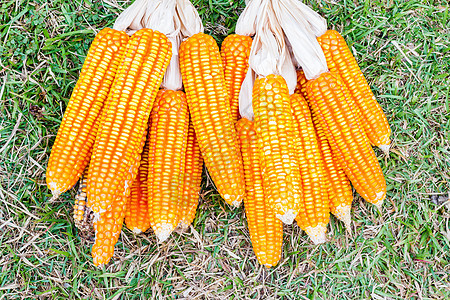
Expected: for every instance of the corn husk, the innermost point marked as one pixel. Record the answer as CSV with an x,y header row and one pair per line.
x,y
269,53
301,35
177,19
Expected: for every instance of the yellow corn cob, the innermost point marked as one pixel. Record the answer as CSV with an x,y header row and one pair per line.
x,y
108,224
203,79
314,212
280,167
124,125
235,51
266,231
82,214
136,215
338,186
301,89
192,180
73,144
339,189
328,97
169,122
341,60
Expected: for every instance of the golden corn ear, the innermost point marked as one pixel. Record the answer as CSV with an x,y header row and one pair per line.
x,y
328,97
301,89
266,231
341,60
235,51
314,211
340,193
124,125
280,167
203,79
82,214
108,226
73,144
192,180
339,190
168,131
136,215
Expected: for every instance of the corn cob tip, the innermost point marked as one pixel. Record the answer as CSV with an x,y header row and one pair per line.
x,y
136,231
343,213
163,231
236,203
385,149
378,201
55,190
183,225
288,218
347,219
102,258
379,204
318,234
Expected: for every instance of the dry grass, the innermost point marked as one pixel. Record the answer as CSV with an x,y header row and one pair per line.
x,y
404,50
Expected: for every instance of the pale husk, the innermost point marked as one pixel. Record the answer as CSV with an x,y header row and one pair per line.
x,y
317,24
306,49
161,16
177,19
245,95
246,24
189,19
130,20
269,53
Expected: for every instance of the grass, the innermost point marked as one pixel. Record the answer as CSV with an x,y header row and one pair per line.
x,y
403,48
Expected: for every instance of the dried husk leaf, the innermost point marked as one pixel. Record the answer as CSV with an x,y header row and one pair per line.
x,y
245,95
189,19
130,20
177,19
161,16
267,55
289,72
317,24
246,24
305,47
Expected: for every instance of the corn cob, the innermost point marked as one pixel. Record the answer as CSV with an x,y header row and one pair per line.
x,y
73,144
274,126
338,186
128,108
301,89
314,212
266,231
82,214
136,214
192,180
235,51
328,97
169,122
203,79
339,189
108,224
341,60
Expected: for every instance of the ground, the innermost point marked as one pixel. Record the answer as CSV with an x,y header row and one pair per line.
x,y
403,48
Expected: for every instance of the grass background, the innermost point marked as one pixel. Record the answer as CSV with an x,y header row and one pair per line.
x,y
403,48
